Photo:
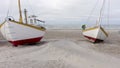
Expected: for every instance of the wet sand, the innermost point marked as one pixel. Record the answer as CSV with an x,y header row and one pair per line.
x,y
63,49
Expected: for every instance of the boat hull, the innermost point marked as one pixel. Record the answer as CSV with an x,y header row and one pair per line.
x,y
26,41
19,34
95,34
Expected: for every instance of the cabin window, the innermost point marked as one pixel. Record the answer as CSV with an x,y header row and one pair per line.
x,y
31,21
35,21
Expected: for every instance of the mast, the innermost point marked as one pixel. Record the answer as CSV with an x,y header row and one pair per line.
x,y
25,12
101,10
20,12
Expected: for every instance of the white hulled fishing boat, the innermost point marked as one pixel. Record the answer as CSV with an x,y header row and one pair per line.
x,y
96,33
19,33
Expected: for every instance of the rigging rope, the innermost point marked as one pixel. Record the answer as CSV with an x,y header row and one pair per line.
x,y
93,9
31,7
8,8
108,18
101,12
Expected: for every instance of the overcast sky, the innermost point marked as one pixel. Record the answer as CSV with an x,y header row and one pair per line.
x,y
63,11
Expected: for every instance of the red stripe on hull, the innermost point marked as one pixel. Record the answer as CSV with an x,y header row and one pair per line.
x,y
26,41
94,40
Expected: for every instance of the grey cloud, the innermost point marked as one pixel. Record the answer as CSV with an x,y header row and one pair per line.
x,y
61,10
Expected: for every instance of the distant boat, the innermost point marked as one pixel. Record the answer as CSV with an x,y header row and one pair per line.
x,y
19,33
96,33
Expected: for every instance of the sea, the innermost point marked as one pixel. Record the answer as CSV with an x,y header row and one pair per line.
x,y
78,26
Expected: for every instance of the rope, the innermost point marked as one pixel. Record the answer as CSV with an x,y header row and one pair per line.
x,y
93,9
108,18
101,11
31,7
8,9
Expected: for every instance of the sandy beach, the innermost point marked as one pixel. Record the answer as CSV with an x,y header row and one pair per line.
x,y
63,49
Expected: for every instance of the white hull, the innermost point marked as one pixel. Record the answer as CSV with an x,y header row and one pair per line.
x,y
95,34
13,31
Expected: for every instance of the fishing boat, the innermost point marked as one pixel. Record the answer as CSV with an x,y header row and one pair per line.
x,y
96,33
19,32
